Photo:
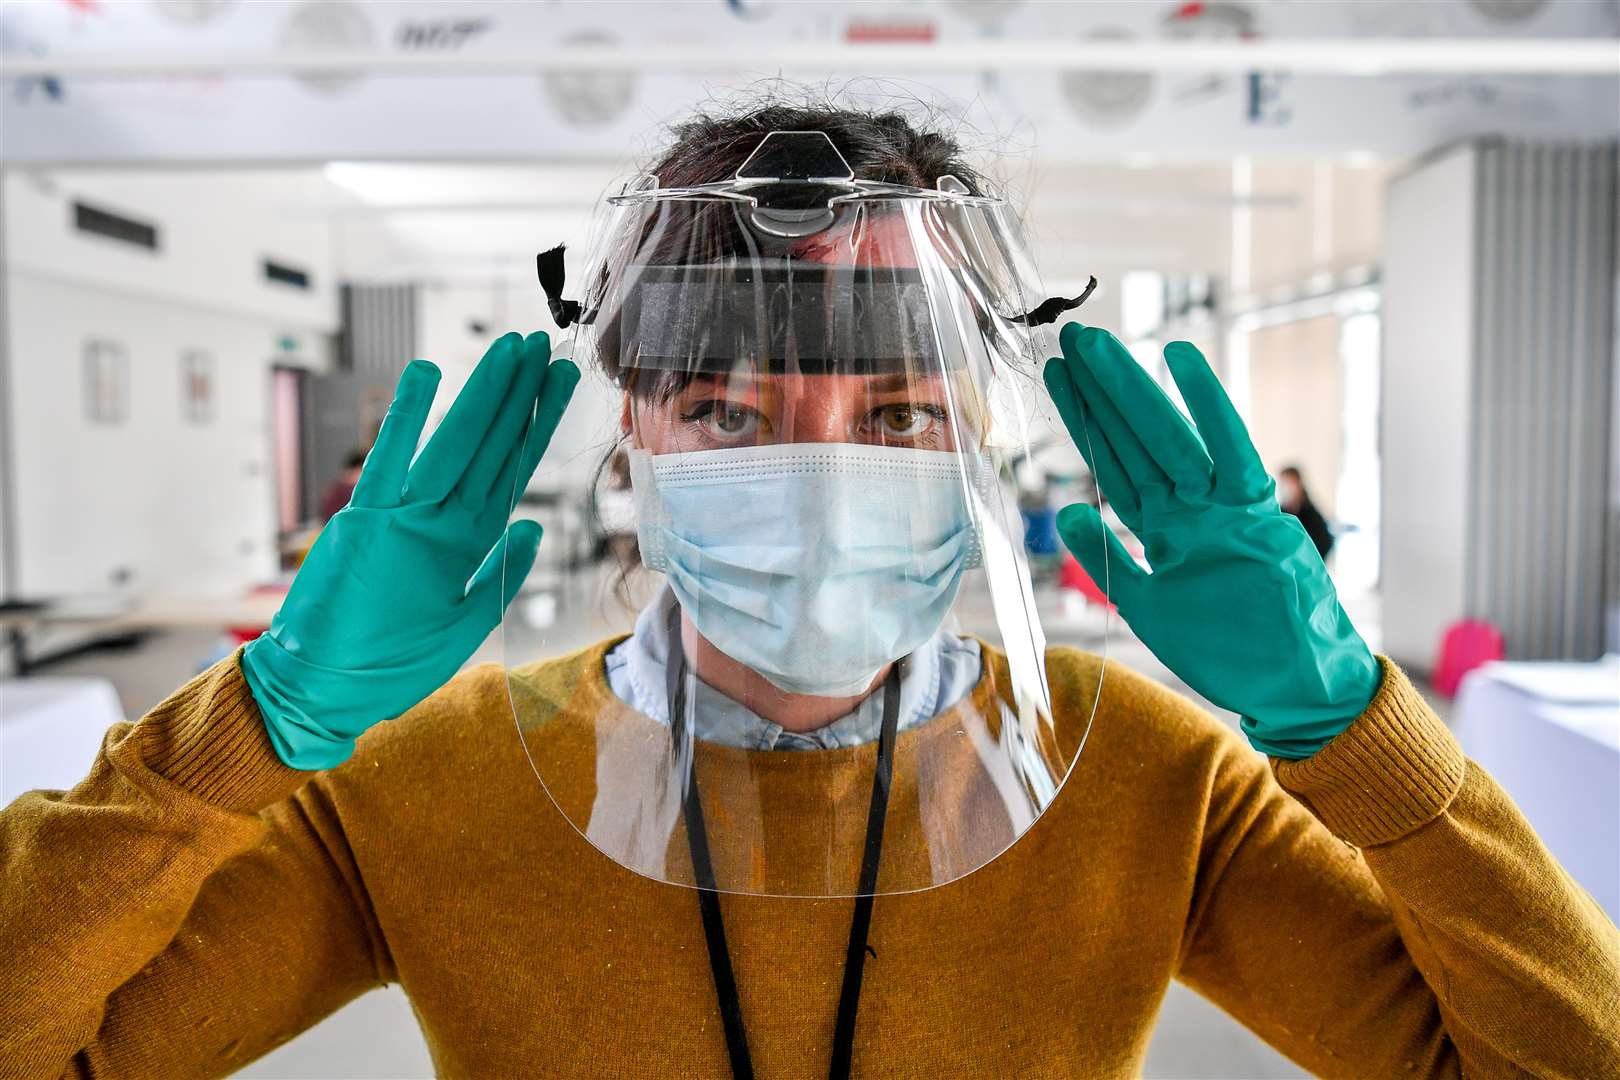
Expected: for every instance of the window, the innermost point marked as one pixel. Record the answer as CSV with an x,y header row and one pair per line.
x,y
197,386
286,274
106,382
126,230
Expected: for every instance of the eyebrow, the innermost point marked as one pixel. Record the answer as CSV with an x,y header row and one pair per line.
x,y
900,380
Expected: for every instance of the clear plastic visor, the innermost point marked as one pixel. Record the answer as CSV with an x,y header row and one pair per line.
x,y
832,679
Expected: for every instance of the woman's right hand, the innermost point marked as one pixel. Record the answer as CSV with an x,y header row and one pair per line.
x,y
404,583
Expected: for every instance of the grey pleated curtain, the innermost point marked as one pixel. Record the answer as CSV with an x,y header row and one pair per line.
x,y
379,329
1541,500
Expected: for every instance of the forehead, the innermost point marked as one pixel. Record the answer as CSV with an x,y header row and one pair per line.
x,y
878,238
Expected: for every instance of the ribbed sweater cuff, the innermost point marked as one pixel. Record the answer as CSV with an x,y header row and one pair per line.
x,y
1393,770
209,739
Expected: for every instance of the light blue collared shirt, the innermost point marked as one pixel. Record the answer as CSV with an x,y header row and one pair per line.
x,y
940,673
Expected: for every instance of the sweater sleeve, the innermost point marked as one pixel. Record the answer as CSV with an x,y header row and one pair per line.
x,y
185,908
1424,931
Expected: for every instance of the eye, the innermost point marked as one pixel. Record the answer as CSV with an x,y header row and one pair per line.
x,y
723,420
908,420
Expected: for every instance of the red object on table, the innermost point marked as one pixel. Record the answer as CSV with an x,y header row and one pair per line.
x,y
1466,645
1072,576
244,634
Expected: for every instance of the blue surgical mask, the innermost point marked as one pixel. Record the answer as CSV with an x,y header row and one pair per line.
x,y
815,564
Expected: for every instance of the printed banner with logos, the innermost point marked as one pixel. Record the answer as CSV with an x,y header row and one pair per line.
x,y
266,114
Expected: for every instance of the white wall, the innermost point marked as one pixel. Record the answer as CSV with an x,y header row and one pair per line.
x,y
1311,218
216,228
180,509
1427,386
1296,412
591,423
184,509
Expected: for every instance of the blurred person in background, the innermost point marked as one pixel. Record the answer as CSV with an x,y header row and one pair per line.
x,y
336,808
1293,497
341,489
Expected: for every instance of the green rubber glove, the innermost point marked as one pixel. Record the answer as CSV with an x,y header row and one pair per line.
x,y
1238,603
408,580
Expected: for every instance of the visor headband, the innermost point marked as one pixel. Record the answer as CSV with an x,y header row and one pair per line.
x,y
781,316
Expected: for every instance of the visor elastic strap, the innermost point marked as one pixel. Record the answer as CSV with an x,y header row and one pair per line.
x,y
714,928
553,276
1053,306
549,266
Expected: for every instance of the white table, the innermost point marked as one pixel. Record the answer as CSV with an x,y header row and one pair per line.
x,y
32,634
50,730
1550,735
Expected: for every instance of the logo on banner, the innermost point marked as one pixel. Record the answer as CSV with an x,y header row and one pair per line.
x,y
14,42
445,34
1268,106
1207,20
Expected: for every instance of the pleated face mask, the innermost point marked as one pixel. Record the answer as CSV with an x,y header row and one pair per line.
x,y
815,564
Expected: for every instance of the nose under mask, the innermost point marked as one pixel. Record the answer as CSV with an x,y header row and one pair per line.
x,y
815,564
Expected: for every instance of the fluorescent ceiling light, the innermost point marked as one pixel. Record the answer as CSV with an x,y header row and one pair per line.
x,y
418,187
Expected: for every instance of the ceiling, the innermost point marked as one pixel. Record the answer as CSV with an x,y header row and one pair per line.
x,y
402,222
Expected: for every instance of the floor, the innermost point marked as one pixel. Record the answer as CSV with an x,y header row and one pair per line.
x,y
1193,1038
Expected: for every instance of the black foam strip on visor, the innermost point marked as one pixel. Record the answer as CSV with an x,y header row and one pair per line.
x,y
781,316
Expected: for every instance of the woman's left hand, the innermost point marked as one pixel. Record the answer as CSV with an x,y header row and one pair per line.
x,y
1236,600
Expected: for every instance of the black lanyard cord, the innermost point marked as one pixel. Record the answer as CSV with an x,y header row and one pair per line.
x,y
714,929
849,998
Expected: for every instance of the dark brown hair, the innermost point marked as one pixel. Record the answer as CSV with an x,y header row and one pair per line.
x,y
882,146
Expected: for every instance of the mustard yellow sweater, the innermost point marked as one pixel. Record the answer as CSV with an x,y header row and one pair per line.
x,y
1377,910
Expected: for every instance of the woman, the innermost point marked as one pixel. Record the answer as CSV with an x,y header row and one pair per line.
x,y
1296,500
237,866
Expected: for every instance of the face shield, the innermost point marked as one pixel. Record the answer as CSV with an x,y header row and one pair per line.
x,y
836,685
